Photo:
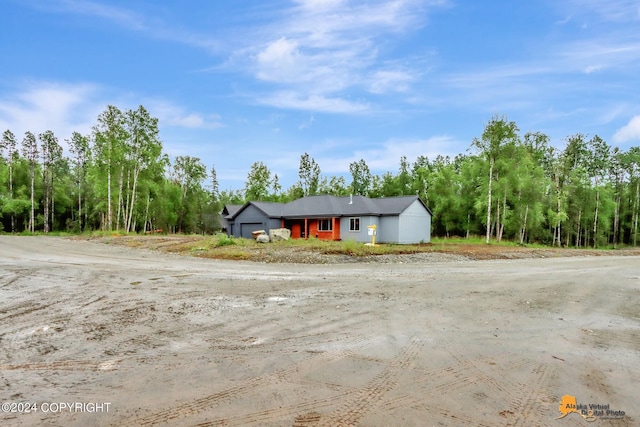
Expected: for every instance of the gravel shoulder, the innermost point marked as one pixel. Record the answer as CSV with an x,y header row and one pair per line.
x,y
425,339
456,251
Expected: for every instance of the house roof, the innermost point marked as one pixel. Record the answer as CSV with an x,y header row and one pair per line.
x,y
270,209
230,210
334,206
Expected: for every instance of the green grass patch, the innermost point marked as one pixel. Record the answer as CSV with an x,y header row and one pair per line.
x,y
224,240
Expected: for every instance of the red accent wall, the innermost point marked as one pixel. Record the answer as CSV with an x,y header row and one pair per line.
x,y
336,229
295,231
297,228
334,234
313,229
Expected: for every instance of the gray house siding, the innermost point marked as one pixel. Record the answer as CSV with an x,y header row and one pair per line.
x,y
402,219
358,236
388,230
251,219
414,224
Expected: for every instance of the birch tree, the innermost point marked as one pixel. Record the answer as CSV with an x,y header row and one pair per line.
x,y
496,134
597,167
631,164
144,149
309,175
79,145
110,136
30,151
360,178
256,187
189,173
9,144
51,155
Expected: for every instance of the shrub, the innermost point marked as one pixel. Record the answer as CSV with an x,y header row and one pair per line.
x,y
224,240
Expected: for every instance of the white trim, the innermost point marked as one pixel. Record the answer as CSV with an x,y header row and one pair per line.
x,y
329,222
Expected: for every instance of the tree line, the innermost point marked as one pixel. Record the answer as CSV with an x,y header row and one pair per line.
x,y
507,186
116,178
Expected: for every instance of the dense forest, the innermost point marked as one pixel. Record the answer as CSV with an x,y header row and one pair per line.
x,y
509,186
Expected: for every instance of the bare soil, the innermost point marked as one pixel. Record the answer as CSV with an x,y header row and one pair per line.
x,y
431,339
322,252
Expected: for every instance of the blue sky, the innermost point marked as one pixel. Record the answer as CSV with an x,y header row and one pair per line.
x,y
237,81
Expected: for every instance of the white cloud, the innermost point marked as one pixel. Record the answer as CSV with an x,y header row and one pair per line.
x,y
61,108
610,10
279,52
131,20
325,47
307,123
593,68
65,108
384,81
280,61
614,51
386,157
629,132
314,103
170,114
124,17
315,5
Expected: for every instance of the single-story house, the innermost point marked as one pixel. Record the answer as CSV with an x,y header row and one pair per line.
x,y
404,219
228,211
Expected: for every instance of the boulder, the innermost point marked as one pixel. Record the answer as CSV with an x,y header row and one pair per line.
x,y
262,238
276,234
256,233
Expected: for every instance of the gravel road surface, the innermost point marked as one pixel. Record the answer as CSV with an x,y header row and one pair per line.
x,y
171,340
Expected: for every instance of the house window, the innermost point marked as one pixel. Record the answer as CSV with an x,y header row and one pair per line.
x,y
354,224
324,225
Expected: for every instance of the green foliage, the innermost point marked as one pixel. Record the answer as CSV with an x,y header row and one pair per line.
x,y
258,182
309,174
521,189
361,178
224,240
336,186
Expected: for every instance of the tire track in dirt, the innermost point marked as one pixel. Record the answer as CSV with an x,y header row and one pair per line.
x,y
525,403
293,344
465,373
478,374
278,414
523,399
358,401
447,380
31,308
605,338
190,409
12,278
457,419
64,365
361,402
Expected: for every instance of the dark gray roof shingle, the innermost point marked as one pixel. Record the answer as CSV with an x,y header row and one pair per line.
x,y
230,210
333,206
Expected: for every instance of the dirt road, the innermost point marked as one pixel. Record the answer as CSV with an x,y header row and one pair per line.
x,y
170,340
